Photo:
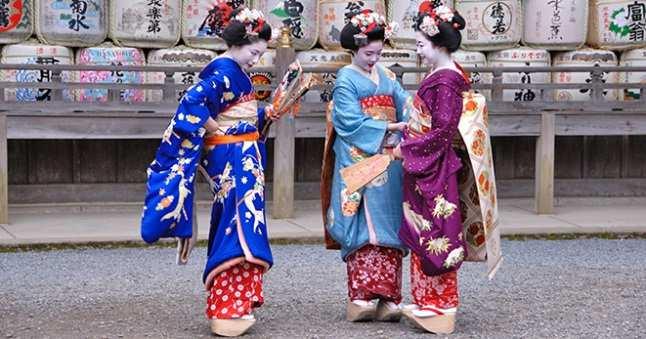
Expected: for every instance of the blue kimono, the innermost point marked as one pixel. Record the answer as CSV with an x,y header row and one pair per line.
x,y
233,159
361,112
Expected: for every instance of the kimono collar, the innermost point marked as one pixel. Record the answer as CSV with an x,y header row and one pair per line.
x,y
220,64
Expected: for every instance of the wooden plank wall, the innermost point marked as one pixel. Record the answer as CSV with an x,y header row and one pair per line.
x,y
42,162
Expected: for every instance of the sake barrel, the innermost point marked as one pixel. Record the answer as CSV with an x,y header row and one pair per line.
x,y
636,57
617,25
555,25
72,22
262,78
403,58
521,57
474,59
404,13
490,25
32,52
301,16
319,58
108,54
145,23
582,58
333,18
176,56
15,21
197,16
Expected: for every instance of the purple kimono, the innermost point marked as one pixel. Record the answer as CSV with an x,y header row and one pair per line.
x,y
432,225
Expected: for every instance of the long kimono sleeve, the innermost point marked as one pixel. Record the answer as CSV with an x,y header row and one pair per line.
x,y
429,155
201,101
350,122
168,207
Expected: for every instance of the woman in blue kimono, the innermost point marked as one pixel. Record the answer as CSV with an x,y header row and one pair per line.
x,y
369,106
216,126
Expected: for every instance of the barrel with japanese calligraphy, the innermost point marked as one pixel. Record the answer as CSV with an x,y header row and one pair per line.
x,y
403,58
199,24
333,18
491,25
582,58
617,24
264,78
108,54
474,59
16,22
145,23
77,23
301,16
176,56
32,52
636,58
521,57
404,13
319,58
555,25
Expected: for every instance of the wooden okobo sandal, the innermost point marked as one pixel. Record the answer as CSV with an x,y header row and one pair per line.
x,y
232,327
431,319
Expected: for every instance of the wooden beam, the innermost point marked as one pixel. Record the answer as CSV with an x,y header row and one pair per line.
x,y
4,175
284,149
544,191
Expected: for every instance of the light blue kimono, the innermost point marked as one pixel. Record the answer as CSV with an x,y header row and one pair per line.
x,y
373,214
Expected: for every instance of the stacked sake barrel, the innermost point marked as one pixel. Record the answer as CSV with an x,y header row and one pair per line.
x,y
108,54
323,59
71,23
176,56
521,57
490,25
32,52
198,18
145,24
403,58
617,24
555,25
17,26
636,57
582,58
262,78
301,17
404,14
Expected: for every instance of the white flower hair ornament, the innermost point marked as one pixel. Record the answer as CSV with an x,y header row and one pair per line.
x,y
433,17
252,19
367,21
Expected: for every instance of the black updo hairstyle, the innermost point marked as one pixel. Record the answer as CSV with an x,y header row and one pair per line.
x,y
235,33
349,31
449,35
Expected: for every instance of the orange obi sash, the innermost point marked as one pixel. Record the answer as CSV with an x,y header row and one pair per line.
x,y
380,107
231,139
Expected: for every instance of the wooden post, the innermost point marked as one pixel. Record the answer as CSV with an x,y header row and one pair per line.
x,y
496,91
544,177
4,176
168,94
284,143
57,93
597,82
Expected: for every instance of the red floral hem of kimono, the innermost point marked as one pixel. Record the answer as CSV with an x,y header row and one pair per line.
x,y
235,292
375,272
440,291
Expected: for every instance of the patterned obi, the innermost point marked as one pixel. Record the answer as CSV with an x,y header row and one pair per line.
x,y
420,118
380,107
244,109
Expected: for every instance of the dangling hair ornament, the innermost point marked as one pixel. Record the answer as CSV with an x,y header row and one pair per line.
x,y
252,19
367,21
433,17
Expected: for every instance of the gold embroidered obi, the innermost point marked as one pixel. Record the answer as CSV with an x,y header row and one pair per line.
x,y
380,107
244,109
420,120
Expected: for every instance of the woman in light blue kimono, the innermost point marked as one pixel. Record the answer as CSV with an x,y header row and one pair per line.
x,y
217,123
369,106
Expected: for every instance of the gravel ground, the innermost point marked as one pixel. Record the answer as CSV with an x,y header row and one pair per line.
x,y
545,289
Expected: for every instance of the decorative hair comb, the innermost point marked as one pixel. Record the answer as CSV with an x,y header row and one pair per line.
x,y
252,19
367,21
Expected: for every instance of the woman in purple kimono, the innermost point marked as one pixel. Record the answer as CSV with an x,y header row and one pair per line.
x,y
432,227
